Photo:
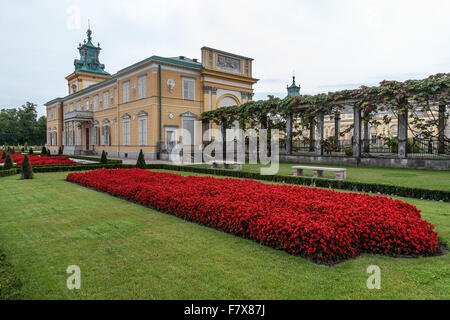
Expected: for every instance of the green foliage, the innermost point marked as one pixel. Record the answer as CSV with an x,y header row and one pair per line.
x,y
26,168
141,161
8,162
25,146
4,154
103,158
20,125
44,151
31,152
60,151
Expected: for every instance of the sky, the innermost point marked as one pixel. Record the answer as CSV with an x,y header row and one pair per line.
x,y
328,44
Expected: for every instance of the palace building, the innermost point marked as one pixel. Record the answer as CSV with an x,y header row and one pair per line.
x,y
145,105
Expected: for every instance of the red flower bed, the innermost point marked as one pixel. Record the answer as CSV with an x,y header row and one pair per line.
x,y
36,160
324,225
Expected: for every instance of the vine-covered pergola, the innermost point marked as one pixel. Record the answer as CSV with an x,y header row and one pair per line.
x,y
407,101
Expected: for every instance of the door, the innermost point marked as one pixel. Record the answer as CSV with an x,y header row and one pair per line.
x,y
87,138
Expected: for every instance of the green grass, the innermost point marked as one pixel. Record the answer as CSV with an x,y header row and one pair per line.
x,y
127,251
414,178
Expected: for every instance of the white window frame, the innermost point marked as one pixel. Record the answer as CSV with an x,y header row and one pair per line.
x,y
86,104
95,103
126,123
192,81
142,84
142,129
170,129
126,91
182,127
105,100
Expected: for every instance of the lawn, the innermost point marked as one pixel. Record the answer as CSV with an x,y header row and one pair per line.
x,y
415,178
127,251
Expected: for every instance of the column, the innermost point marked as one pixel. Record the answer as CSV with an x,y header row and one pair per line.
x,y
320,126
223,130
402,134
356,132
366,141
441,129
337,129
289,134
312,130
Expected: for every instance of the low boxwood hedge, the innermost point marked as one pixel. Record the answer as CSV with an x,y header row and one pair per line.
x,y
384,189
97,159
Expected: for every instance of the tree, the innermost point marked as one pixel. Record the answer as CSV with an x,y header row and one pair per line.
x,y
44,151
104,159
25,146
4,154
20,125
141,161
30,152
8,162
60,151
27,169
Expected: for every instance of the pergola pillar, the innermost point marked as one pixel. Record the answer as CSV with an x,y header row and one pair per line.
x,y
366,140
312,134
320,126
402,134
223,131
289,134
441,129
356,132
337,124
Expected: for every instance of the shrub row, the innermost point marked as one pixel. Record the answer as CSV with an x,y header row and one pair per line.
x,y
385,189
111,161
9,172
324,225
400,191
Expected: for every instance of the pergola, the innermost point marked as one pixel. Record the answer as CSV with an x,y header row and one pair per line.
x,y
401,97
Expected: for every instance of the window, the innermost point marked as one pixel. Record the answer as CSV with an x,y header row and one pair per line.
x,y
95,135
142,118
142,86
126,91
105,100
188,89
105,133
95,103
126,129
188,132
171,138
86,104
79,106
71,107
65,109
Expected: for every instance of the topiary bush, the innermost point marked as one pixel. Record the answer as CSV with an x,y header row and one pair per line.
x,y
44,151
8,162
4,155
30,152
141,161
60,151
104,159
27,169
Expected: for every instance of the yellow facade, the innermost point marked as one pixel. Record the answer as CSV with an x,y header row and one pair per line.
x,y
146,104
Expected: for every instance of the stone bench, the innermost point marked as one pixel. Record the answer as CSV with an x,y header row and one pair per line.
x,y
227,165
341,174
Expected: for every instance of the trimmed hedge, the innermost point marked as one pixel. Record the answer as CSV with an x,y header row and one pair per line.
x,y
9,172
385,189
110,161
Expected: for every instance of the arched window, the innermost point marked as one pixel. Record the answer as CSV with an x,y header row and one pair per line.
x,y
126,129
105,133
142,132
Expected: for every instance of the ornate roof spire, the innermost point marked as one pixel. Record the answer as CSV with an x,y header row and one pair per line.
x,y
293,90
89,56
89,31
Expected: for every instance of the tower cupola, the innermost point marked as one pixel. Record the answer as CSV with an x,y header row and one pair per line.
x,y
293,89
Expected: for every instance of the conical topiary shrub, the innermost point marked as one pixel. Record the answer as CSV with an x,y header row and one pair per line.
x,y
27,169
30,152
25,146
8,162
141,161
104,159
4,154
44,151
60,151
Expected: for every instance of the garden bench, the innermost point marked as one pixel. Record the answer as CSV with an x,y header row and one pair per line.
x,y
227,164
341,174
